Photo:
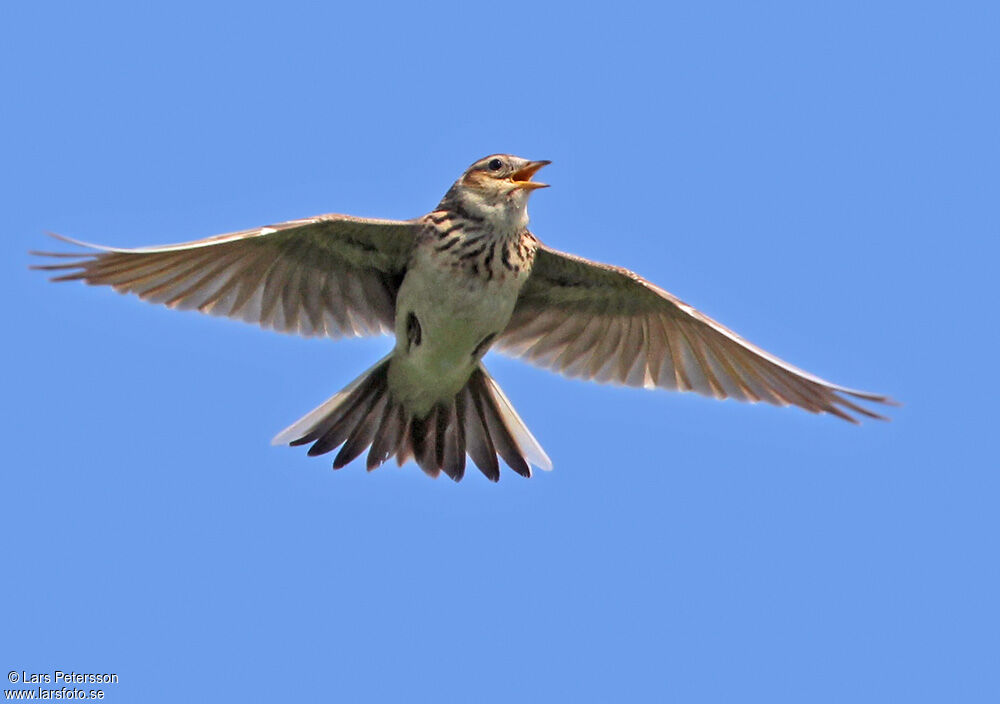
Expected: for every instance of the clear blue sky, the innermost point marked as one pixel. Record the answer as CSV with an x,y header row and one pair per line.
x,y
823,180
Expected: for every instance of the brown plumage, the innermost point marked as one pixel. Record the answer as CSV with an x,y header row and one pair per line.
x,y
450,285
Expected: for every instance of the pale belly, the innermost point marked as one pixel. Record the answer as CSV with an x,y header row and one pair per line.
x,y
455,313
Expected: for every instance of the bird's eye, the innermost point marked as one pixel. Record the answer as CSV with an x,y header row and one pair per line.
x,y
495,165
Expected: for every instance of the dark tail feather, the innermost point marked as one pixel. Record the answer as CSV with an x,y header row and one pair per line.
x,y
479,422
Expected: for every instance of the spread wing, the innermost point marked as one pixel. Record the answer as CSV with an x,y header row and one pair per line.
x,y
605,323
332,275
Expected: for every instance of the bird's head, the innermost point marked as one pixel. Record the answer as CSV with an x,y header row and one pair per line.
x,y
496,188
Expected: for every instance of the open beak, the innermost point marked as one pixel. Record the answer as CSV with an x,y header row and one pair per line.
x,y
522,177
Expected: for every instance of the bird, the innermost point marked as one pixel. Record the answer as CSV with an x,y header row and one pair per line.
x,y
467,277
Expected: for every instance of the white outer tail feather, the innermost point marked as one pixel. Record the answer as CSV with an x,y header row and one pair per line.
x,y
532,450
310,419
480,420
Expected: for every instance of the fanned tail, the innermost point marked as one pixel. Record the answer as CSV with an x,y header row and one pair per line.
x,y
479,422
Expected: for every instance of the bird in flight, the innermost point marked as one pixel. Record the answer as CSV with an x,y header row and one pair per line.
x,y
450,285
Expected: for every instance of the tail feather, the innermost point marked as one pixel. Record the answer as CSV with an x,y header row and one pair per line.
x,y
390,434
454,442
479,443
341,425
363,434
315,423
479,422
522,437
422,440
504,442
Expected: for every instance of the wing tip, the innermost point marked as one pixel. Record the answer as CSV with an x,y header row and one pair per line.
x,y
81,256
851,406
70,240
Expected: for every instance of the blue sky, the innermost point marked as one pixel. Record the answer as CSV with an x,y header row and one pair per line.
x,y
821,179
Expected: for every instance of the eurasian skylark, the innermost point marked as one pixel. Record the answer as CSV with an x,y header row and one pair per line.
x,y
450,285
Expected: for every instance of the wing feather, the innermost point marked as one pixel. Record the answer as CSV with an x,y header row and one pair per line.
x,y
608,324
331,275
